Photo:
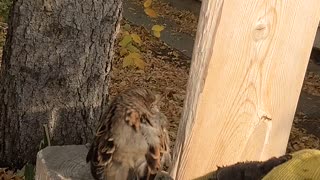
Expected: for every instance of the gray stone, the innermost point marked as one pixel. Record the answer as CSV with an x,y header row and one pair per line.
x,y
63,162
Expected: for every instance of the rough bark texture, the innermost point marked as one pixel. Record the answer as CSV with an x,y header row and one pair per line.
x,y
55,71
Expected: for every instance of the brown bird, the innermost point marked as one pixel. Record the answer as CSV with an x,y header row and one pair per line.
x,y
132,141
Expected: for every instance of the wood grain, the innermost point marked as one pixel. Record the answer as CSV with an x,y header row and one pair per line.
x,y
248,66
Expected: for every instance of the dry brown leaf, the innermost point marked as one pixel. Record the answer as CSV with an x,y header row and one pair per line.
x,y
8,175
175,54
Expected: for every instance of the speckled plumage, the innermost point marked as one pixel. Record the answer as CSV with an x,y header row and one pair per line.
x,y
132,141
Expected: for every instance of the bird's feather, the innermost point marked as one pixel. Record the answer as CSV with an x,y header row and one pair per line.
x,y
132,139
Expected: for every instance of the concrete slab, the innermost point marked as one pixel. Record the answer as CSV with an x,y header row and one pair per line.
x,y
63,162
181,41
190,5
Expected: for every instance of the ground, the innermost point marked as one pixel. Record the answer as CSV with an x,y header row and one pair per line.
x,y
167,61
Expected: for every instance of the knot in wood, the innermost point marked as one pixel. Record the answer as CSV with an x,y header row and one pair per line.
x,y
264,116
261,31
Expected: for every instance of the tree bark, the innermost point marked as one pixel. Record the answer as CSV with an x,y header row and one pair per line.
x,y
55,71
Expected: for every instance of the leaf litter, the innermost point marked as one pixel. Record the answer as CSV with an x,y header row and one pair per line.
x,y
299,138
162,72
311,83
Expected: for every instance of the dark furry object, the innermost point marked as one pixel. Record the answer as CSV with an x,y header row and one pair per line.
x,y
254,170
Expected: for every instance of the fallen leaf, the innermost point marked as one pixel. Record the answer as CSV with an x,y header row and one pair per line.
x,y
132,55
147,3
150,12
125,41
126,33
136,55
139,63
123,51
136,38
132,48
9,175
175,54
163,47
134,59
157,28
156,34
127,27
128,61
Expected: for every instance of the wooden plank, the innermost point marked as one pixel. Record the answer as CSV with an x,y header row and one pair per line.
x,y
248,66
63,162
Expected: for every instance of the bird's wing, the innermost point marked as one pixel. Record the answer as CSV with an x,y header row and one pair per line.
x,y
102,150
157,156
165,148
159,151
153,159
103,147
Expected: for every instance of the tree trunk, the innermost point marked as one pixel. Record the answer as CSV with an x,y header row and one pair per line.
x,y
55,71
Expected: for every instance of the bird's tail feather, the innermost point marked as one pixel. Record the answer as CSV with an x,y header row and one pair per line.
x,y
97,171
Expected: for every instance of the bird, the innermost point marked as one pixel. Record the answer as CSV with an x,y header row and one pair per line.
x,y
132,140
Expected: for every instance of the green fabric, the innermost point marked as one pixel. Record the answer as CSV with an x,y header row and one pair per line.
x,y
304,165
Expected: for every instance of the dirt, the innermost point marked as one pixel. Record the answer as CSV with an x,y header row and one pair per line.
x,y
312,83
166,72
299,137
